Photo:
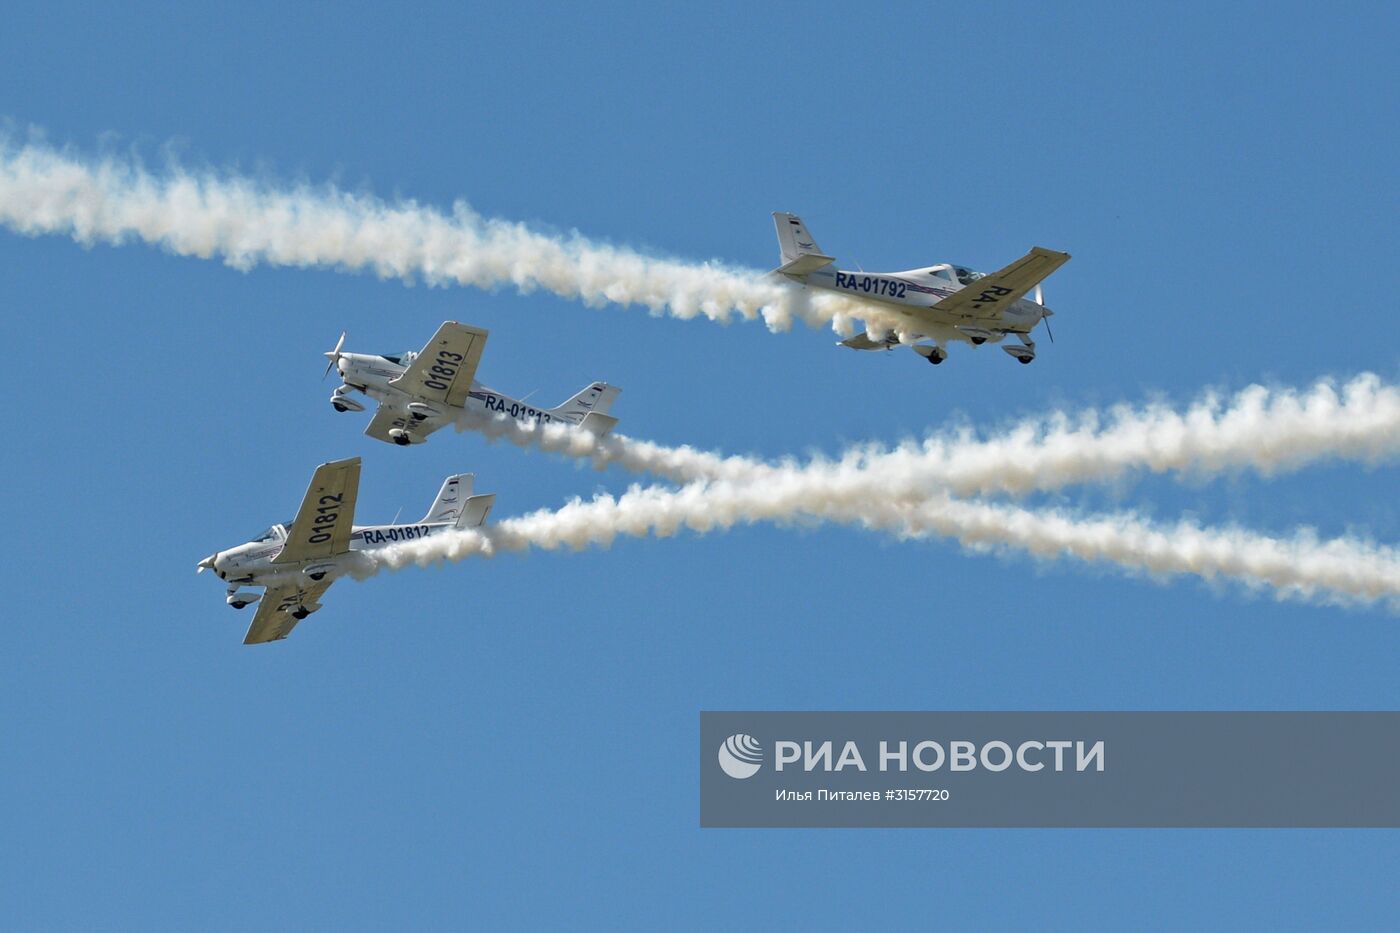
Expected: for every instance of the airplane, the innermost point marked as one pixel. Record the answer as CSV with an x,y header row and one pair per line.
x,y
297,561
943,302
418,393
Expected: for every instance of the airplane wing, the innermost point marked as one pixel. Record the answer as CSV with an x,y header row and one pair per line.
x,y
996,292
443,372
322,525
389,416
274,619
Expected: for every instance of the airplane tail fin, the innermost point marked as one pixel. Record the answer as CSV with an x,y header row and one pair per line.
x,y
597,398
801,254
447,507
475,511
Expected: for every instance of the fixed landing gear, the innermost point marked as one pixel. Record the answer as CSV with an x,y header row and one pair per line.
x,y
937,356
341,400
239,599
1024,353
978,341
299,613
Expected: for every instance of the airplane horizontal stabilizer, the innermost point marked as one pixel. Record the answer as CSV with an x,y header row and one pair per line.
x,y
599,424
804,264
862,341
475,511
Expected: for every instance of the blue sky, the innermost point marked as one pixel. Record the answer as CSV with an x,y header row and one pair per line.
x,y
512,741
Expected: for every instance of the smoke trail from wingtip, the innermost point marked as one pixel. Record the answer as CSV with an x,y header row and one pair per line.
x,y
246,223
1300,567
1266,430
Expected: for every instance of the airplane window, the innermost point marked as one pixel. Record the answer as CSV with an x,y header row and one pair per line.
x,y
967,276
940,273
268,535
392,359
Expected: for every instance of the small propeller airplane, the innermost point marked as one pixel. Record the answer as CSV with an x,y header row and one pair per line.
x,y
941,303
421,392
297,561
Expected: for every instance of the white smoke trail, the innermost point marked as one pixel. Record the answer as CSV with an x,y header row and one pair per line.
x,y
1301,567
1267,430
245,222
44,191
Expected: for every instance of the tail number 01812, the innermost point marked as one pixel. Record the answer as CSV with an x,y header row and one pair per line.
x,y
327,514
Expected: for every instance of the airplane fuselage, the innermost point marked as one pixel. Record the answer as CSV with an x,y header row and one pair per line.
x,y
372,375
919,288
251,564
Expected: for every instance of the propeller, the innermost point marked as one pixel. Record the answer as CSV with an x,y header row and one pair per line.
x,y
206,564
333,356
1044,312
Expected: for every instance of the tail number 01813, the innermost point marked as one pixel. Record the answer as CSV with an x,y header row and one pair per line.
x,y
441,373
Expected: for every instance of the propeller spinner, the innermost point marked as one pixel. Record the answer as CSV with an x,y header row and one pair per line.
x,y
333,356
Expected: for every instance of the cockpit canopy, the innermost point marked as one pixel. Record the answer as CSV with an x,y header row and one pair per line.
x,y
273,533
964,275
401,359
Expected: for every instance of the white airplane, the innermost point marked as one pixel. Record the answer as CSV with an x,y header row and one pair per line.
x,y
297,561
940,303
421,392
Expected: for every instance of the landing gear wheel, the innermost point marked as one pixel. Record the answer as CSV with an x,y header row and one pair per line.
x,y
299,614
936,358
339,407
402,441
978,341
239,605
1025,360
